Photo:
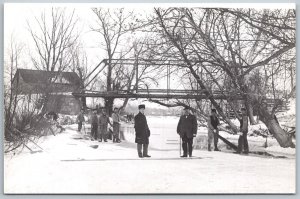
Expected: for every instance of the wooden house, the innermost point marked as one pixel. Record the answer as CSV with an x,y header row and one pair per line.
x,y
59,86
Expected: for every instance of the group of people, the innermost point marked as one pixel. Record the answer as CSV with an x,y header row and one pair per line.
x,y
186,128
213,124
99,125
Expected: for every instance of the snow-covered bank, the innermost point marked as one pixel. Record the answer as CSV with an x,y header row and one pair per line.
x,y
256,144
69,164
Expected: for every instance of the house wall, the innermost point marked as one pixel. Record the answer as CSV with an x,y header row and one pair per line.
x,y
64,104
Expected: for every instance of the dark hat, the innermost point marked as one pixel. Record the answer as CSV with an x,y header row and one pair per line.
x,y
142,106
186,108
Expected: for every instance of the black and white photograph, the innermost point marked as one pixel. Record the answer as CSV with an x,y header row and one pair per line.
x,y
140,98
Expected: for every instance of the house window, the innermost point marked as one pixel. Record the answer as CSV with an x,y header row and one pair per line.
x,y
64,80
60,80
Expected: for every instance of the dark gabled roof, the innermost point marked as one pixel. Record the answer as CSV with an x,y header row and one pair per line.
x,y
41,77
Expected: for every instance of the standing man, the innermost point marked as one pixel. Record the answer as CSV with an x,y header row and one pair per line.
x,y
80,120
187,129
94,125
116,125
142,132
243,142
103,123
213,131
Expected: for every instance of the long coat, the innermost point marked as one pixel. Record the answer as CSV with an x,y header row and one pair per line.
x,y
142,132
80,118
244,124
212,124
187,125
103,123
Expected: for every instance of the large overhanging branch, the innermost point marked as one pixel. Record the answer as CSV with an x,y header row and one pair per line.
x,y
175,104
266,61
238,14
169,105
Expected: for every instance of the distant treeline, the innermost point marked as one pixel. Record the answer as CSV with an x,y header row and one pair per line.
x,y
153,111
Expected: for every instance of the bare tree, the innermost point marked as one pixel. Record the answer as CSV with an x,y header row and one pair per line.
x,y
112,27
115,27
79,65
19,109
210,38
10,90
54,36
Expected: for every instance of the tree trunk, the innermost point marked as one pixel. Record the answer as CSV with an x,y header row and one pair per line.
x,y
250,113
108,82
124,103
249,99
212,100
280,135
109,103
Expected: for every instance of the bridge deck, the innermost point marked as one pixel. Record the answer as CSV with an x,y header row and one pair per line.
x,y
156,94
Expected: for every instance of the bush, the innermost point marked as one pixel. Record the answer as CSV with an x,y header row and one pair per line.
x,y
27,127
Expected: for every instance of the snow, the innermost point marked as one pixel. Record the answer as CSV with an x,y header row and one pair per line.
x,y
280,150
68,164
292,110
288,118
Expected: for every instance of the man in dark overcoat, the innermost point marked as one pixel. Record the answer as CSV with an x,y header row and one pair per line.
x,y
187,129
142,132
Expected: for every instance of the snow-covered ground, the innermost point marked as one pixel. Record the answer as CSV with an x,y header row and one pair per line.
x,y
68,164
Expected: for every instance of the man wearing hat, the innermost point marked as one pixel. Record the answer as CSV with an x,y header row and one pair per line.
x,y
142,132
187,129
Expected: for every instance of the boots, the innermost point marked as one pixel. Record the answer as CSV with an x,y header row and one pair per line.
x,y
190,147
139,150
209,147
145,151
